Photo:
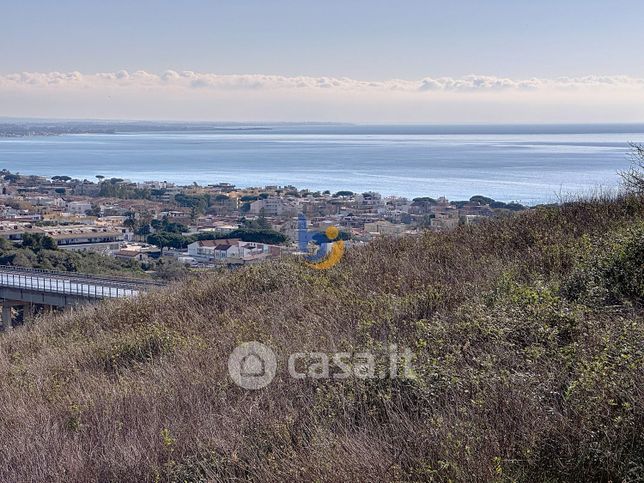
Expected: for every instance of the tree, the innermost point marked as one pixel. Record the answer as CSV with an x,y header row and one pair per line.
x,y
172,227
343,194
481,200
514,206
170,269
197,202
38,241
194,214
130,220
459,203
17,259
424,199
95,210
262,222
633,178
270,237
143,230
167,239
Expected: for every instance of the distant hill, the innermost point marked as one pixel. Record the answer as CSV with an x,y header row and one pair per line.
x,y
529,349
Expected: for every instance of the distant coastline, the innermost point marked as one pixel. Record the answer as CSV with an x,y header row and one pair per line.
x,y
529,164
13,127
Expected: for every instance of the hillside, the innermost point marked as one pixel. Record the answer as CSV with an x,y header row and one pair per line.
x,y
529,365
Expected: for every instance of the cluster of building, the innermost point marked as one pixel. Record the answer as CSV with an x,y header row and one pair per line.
x,y
116,217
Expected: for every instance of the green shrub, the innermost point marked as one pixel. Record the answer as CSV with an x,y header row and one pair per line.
x,y
139,346
611,270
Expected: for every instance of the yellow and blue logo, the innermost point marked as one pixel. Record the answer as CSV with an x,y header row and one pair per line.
x,y
330,247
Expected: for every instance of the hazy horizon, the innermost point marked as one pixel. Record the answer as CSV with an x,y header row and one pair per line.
x,y
313,122
418,61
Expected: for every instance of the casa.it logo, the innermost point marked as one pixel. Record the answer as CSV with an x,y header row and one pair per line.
x,y
330,248
252,365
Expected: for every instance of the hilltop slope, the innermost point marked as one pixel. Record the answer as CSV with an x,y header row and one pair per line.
x,y
528,338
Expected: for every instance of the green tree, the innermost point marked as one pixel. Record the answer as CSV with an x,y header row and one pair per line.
x,y
130,220
38,241
270,237
168,268
143,230
481,200
262,222
343,194
424,199
95,210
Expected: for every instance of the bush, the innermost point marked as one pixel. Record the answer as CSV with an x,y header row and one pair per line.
x,y
138,347
522,369
610,270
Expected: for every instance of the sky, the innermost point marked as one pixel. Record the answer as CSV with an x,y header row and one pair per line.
x,y
313,60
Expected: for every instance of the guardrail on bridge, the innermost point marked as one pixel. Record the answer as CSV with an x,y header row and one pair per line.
x,y
70,283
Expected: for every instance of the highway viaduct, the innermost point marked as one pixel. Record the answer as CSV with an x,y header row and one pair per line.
x,y
24,291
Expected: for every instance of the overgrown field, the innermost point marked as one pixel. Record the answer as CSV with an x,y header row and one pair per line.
x,y
529,340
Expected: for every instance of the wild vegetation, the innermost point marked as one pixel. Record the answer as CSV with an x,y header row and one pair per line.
x,y
529,365
40,251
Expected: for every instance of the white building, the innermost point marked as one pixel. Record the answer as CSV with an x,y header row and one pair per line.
x,y
226,250
209,250
78,207
385,228
369,199
274,206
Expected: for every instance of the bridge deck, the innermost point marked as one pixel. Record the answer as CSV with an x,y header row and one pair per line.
x,y
84,286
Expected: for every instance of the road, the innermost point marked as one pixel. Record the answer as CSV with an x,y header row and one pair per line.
x,y
71,284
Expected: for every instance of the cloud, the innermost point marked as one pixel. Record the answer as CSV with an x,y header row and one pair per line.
x,y
188,95
211,81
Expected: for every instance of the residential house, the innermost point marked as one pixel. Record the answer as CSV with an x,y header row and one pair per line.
x,y
209,250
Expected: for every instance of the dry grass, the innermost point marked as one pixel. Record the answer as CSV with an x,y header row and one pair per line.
x,y
527,366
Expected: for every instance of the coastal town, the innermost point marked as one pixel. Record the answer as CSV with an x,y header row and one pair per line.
x,y
216,225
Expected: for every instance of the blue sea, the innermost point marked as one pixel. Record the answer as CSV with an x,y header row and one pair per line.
x,y
528,164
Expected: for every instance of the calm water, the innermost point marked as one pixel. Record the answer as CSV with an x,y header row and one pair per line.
x,y
523,164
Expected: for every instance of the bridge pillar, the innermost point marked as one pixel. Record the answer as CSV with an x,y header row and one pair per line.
x,y
6,316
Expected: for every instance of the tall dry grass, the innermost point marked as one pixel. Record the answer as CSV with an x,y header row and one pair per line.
x,y
525,369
